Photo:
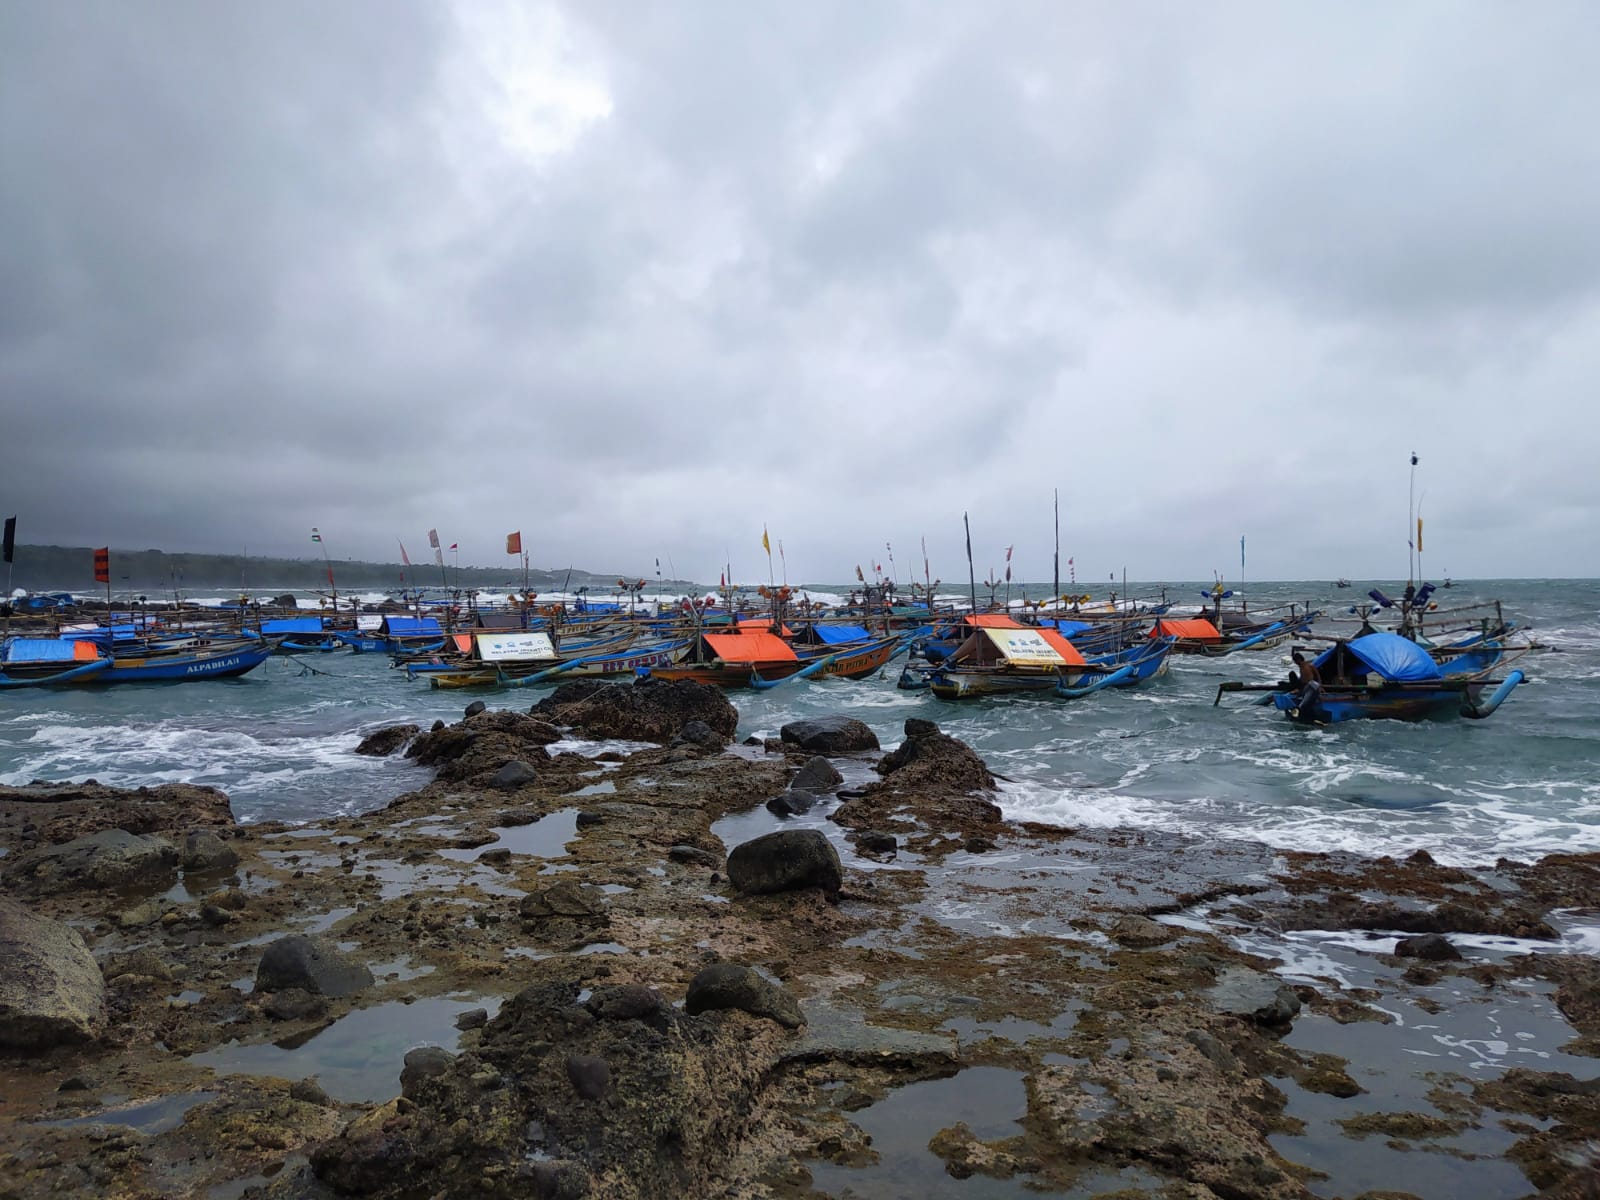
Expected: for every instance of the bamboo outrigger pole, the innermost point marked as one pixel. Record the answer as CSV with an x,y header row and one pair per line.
x,y
1055,581
972,578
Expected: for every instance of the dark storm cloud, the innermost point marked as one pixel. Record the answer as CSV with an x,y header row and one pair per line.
x,y
638,280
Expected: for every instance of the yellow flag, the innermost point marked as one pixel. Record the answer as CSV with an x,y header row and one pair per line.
x,y
1419,535
765,544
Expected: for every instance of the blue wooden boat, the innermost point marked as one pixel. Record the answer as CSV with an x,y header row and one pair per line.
x,y
1383,675
42,662
301,635
200,660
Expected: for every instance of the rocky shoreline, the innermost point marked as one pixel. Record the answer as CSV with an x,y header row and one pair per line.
x,y
647,972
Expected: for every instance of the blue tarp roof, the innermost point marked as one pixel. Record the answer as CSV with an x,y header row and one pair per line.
x,y
1393,657
293,625
836,635
411,626
38,650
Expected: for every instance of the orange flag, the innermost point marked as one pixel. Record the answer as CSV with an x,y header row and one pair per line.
x,y
514,542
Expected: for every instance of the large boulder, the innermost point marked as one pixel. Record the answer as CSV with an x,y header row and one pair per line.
x,y
381,743
481,744
51,990
785,861
313,964
649,710
830,735
110,859
930,759
204,851
731,985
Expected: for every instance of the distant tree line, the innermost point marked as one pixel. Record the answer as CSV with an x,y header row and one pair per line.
x,y
155,572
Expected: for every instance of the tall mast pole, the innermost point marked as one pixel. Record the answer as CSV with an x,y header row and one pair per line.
x,y
972,578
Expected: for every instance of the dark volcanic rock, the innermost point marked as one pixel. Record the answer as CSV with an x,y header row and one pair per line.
x,y
792,803
700,736
935,759
1433,947
421,1065
204,851
784,861
625,1002
45,813
513,775
314,964
51,990
589,1074
875,841
383,742
694,856
816,774
482,744
830,735
294,1004
476,707
649,710
1242,992
112,858
731,985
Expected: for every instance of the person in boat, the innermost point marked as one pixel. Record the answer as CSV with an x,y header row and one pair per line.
x,y
1306,682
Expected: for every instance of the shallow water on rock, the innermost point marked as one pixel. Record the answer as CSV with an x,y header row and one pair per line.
x,y
357,1057
151,1117
544,838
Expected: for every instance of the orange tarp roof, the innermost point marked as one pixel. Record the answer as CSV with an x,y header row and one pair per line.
x,y
747,624
993,621
1196,629
85,652
750,646
463,642
1062,647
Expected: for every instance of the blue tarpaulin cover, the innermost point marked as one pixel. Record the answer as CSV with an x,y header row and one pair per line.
x,y
411,626
37,650
838,635
1066,628
1395,658
293,625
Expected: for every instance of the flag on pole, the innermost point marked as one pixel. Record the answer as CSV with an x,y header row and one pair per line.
x,y
102,565
455,545
11,539
765,544
433,538
403,556
859,575
658,568
1009,549
514,542
1419,535
315,536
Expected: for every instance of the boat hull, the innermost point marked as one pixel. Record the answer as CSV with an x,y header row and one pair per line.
x,y
188,666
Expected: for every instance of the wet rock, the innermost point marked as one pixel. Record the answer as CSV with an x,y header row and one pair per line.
x,y
816,774
51,990
694,856
204,851
381,743
978,844
495,858
110,859
731,985
649,710
1265,999
309,1091
784,861
1432,947
792,803
473,1018
700,736
876,841
625,1002
1218,1054
1137,931
312,963
421,1065
589,1074
294,1004
564,898
830,735
481,745
919,727
586,819
53,813
513,775
936,759
476,707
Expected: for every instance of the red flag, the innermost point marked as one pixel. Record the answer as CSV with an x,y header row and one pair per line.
x,y
1009,549
859,575
102,565
454,545
403,557
514,542
722,580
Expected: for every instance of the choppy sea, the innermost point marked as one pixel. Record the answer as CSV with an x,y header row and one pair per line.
x,y
281,742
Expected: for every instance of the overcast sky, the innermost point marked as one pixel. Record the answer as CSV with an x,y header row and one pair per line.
x,y
639,279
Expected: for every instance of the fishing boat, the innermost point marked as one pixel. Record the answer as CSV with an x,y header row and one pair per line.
x,y
531,658
854,660
1383,675
731,660
301,635
1001,656
38,662
396,635
197,658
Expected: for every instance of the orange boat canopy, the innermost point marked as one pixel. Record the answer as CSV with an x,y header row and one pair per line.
x,y
1196,629
754,624
750,646
993,621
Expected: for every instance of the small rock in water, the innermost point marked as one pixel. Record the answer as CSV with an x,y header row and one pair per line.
x,y
1434,947
830,735
473,1018
586,819
1262,998
476,707
422,1064
792,803
314,964
785,861
816,774
875,841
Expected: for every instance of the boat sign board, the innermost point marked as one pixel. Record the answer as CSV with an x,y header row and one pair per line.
x,y
515,647
1025,647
